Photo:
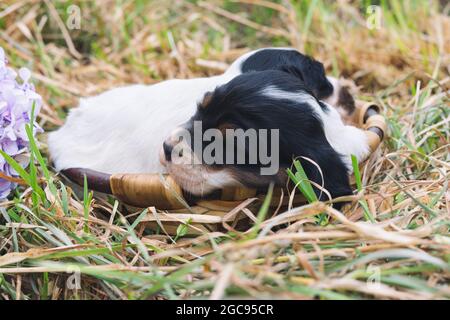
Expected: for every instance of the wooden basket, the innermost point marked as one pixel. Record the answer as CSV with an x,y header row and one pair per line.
x,y
169,206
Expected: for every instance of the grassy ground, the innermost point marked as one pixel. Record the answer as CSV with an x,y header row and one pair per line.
x,y
49,238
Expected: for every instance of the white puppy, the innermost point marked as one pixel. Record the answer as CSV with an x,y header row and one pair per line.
x,y
123,130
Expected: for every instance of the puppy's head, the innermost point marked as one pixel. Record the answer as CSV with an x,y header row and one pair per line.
x,y
247,132
331,90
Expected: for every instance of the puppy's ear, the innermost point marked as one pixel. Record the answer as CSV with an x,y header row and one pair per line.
x,y
312,73
306,68
310,142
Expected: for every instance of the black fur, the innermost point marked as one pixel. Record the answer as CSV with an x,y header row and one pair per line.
x,y
306,68
241,104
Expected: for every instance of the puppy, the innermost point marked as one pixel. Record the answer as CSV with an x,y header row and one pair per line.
x,y
121,130
273,102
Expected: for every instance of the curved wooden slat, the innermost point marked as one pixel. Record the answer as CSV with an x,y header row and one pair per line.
x,y
96,180
368,117
144,190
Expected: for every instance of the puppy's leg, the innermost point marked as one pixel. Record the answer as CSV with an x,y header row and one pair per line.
x,y
354,142
345,139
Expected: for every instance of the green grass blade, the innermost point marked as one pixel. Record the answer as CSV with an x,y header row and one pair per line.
x,y
367,214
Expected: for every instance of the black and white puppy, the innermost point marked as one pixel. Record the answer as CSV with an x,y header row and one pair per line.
x,y
123,129
293,122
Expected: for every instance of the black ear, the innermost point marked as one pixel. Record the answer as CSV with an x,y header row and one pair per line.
x,y
309,141
312,73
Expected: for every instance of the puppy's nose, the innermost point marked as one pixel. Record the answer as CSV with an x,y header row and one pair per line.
x,y
167,151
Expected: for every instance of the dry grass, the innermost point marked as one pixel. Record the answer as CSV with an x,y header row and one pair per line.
x,y
403,66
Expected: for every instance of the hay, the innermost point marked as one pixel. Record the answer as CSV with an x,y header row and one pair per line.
x,y
403,254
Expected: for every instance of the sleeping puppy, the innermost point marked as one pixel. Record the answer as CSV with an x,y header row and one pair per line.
x,y
121,130
222,144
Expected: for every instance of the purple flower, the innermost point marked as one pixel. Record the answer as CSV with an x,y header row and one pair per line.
x,y
16,102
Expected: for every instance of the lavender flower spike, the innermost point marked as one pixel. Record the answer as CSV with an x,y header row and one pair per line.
x,y
16,103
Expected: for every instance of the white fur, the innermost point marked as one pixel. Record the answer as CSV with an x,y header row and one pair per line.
x,y
333,99
346,140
